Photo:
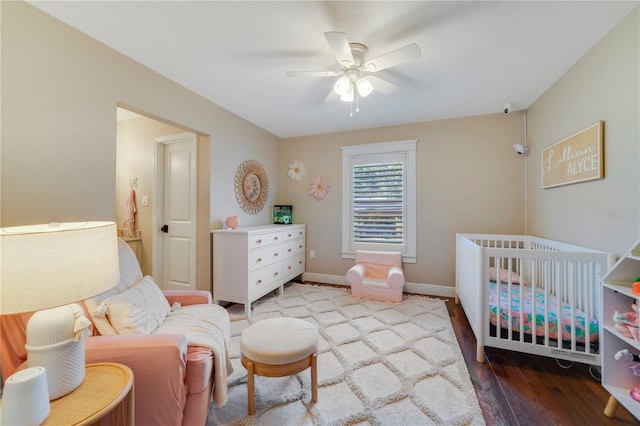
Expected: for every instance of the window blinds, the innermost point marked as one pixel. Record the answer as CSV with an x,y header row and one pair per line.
x,y
378,206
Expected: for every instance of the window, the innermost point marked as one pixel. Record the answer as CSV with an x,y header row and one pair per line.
x,y
379,198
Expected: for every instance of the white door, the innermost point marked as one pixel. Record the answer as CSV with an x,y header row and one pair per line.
x,y
177,223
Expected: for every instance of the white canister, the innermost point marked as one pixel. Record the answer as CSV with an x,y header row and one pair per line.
x,y
25,398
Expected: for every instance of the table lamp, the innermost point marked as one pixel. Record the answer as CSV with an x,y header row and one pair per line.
x,y
45,268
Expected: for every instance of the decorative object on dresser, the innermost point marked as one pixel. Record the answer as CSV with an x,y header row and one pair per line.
x,y
232,222
283,215
620,340
252,261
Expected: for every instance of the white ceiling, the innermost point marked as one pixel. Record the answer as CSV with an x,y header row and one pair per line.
x,y
476,56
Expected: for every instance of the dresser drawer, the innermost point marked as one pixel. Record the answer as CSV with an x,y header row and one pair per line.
x,y
292,248
262,240
263,277
263,257
293,266
290,234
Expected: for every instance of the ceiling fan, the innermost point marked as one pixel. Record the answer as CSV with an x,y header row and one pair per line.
x,y
356,69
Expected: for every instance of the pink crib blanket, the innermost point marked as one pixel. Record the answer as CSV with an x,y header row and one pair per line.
x,y
525,304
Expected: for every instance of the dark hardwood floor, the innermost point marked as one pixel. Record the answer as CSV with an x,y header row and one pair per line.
x,y
521,389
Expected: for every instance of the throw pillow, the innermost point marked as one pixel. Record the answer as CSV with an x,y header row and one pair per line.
x,y
504,276
138,310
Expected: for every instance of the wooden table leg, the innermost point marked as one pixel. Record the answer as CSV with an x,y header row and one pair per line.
x,y
314,378
612,406
250,390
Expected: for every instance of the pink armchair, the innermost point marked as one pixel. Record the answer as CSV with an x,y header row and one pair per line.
x,y
377,275
173,381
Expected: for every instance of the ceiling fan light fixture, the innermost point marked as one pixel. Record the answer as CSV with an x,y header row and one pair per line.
x,y
343,85
364,87
349,95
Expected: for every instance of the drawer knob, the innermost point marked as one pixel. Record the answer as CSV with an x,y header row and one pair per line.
x,y
275,274
275,238
259,242
258,260
289,250
289,236
300,246
259,282
299,262
289,267
275,254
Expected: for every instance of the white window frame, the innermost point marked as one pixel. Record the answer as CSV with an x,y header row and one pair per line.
x,y
355,154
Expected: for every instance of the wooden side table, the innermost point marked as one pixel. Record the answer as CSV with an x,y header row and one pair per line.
x,y
107,388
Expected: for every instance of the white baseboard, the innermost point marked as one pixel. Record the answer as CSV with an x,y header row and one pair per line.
x,y
417,288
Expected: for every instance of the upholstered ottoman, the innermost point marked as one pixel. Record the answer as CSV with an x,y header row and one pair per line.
x,y
278,347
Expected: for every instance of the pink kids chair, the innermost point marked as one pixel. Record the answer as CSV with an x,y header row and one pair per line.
x,y
377,275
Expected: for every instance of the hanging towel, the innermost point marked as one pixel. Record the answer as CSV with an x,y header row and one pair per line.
x,y
130,213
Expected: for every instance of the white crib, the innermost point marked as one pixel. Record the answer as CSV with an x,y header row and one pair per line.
x,y
531,294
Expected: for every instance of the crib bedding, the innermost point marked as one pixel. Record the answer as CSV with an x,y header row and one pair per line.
x,y
525,304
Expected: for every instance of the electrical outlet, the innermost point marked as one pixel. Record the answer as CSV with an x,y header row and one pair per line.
x,y
145,200
312,254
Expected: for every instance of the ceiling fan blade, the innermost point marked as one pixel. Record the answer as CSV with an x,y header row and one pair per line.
x,y
340,46
382,86
397,57
311,73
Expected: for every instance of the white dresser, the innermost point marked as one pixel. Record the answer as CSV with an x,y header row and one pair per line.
x,y
251,261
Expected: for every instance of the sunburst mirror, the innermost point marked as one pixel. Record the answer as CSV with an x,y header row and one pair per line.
x,y
252,186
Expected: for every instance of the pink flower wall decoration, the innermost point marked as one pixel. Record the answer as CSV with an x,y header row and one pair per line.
x,y
319,187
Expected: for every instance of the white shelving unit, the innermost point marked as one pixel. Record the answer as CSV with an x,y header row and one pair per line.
x,y
617,296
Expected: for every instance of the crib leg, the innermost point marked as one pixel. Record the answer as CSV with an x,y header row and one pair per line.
x,y
479,353
612,406
456,298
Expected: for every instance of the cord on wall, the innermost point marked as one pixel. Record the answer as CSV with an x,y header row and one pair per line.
x,y
526,195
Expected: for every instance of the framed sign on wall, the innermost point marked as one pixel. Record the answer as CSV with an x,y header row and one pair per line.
x,y
578,158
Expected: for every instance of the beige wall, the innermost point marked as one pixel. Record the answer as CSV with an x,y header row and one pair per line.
x,y
469,179
60,90
603,85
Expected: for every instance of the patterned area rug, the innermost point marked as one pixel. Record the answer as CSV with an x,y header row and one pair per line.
x,y
378,363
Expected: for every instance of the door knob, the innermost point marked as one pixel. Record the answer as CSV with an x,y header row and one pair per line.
x,y
165,228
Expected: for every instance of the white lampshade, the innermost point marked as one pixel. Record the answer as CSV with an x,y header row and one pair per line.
x,y
364,87
44,266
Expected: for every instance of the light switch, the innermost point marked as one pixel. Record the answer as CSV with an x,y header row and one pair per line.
x,y
145,200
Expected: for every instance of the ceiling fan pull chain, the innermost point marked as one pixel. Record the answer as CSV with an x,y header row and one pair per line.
x,y
357,100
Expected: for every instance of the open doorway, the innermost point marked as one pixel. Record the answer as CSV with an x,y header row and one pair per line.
x,y
137,137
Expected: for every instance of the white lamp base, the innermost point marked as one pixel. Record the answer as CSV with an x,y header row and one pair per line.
x,y
52,343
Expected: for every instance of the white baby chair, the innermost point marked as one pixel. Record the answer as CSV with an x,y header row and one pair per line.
x,y
377,275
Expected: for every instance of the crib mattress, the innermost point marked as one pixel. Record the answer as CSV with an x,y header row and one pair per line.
x,y
523,305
